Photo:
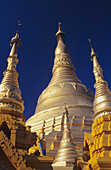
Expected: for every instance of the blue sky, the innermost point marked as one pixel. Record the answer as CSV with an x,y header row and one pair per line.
x,y
80,20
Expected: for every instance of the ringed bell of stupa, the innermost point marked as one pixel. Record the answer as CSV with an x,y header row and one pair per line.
x,y
64,89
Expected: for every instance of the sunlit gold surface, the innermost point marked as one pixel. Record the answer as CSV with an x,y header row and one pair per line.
x,y
64,88
10,94
102,101
68,149
97,145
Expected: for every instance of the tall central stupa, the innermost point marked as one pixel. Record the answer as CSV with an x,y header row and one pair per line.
x,y
64,89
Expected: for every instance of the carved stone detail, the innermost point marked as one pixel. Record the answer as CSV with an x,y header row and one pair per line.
x,y
62,60
13,155
11,121
10,105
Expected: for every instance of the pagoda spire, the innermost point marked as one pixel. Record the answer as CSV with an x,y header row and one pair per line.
x,y
60,34
63,66
68,149
62,57
10,94
102,101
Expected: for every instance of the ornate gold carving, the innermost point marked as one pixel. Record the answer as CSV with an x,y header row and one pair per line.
x,y
101,114
11,121
10,94
15,158
62,84
62,59
97,145
12,63
11,105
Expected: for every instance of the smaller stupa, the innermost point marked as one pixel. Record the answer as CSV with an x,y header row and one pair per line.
x,y
102,100
10,94
97,145
68,149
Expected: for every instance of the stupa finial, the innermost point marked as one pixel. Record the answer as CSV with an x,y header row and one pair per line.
x,y
68,149
62,58
59,26
15,43
19,24
92,50
97,70
60,33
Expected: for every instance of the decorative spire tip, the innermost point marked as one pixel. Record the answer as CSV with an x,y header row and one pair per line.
x,y
60,32
92,50
90,43
65,110
19,24
59,26
15,42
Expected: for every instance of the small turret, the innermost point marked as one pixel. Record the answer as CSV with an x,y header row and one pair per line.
x,y
10,95
102,101
68,149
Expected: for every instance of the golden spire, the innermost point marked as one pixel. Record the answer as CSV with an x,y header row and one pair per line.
x,y
59,33
15,43
59,26
68,149
62,61
10,94
61,47
102,101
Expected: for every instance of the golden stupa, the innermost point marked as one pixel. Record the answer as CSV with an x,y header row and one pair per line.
x,y
10,94
64,89
68,150
24,150
97,144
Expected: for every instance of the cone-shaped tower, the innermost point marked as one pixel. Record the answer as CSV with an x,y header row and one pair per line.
x,y
63,69
102,101
68,149
10,95
64,87
97,145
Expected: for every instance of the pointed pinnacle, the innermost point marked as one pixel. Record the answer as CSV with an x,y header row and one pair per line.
x,y
90,43
59,26
92,50
19,24
66,111
59,30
